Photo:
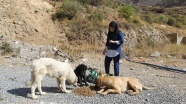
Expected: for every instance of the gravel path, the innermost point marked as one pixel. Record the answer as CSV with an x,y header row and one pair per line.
x,y
170,87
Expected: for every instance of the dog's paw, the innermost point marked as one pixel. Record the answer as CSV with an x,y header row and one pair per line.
x,y
43,93
132,94
86,84
68,91
35,97
81,85
103,93
98,92
59,90
129,91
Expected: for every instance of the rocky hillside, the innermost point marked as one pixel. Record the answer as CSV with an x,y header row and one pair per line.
x,y
27,20
162,3
30,21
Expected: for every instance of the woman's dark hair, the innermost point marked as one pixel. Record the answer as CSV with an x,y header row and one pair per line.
x,y
114,25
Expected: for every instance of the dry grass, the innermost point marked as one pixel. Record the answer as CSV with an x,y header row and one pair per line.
x,y
144,50
76,51
174,49
169,29
176,10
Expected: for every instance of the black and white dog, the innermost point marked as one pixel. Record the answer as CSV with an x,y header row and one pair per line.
x,y
80,72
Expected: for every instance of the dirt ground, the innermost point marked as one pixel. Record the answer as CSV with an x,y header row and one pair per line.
x,y
169,86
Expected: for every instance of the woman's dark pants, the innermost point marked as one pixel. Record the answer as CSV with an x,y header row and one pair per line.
x,y
116,64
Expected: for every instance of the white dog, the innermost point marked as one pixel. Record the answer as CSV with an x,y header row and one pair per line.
x,y
62,71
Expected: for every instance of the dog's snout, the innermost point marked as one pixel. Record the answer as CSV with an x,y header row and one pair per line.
x,y
96,87
75,84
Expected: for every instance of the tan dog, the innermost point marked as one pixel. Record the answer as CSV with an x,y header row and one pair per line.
x,y
119,84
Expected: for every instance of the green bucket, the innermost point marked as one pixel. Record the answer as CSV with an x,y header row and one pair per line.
x,y
93,74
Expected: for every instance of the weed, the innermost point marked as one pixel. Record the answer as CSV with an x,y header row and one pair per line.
x,y
171,21
161,19
136,21
170,48
179,24
149,19
7,48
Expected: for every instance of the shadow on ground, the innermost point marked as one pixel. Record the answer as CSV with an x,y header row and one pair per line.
x,y
25,91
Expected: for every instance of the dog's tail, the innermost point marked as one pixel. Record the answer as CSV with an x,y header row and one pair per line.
x,y
29,83
146,88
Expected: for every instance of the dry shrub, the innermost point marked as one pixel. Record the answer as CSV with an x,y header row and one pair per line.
x,y
174,48
76,50
85,91
7,48
143,50
83,36
81,30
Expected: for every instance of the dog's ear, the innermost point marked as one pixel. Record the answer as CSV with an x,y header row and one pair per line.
x,y
100,79
89,68
100,73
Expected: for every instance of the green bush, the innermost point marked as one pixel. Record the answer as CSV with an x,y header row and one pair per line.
x,y
59,14
161,19
149,19
181,19
150,42
69,8
171,21
136,21
97,16
126,11
7,48
179,24
110,3
184,20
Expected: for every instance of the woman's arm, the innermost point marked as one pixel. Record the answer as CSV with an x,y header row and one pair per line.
x,y
121,38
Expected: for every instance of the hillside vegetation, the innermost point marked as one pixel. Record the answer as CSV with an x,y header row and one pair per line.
x,y
90,20
78,26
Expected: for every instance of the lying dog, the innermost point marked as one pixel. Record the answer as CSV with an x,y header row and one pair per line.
x,y
119,84
62,71
80,72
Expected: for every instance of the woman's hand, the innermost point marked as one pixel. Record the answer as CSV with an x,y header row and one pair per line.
x,y
111,41
115,42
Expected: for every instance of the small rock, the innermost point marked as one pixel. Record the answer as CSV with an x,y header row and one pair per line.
x,y
155,54
131,69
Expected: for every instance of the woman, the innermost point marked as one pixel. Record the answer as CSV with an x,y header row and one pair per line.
x,y
113,51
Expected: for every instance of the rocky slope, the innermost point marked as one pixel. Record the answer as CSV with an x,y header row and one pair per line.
x,y
30,21
162,3
27,20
